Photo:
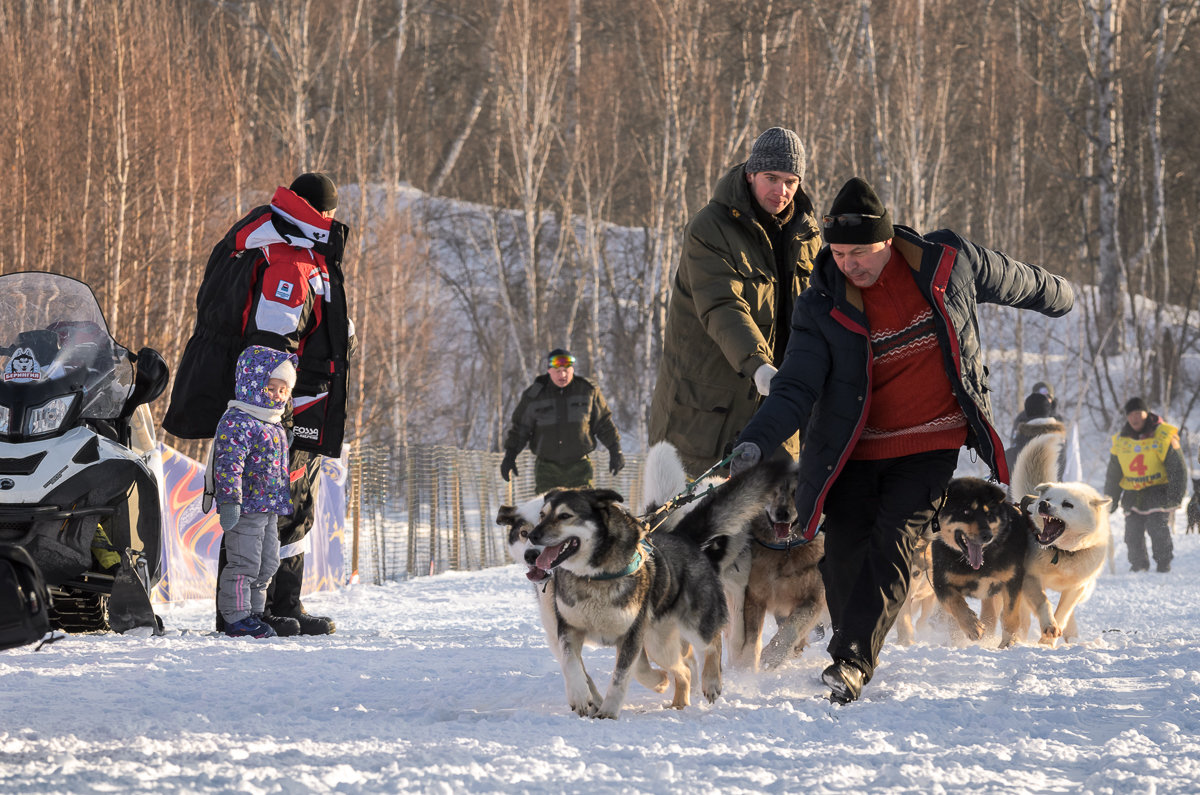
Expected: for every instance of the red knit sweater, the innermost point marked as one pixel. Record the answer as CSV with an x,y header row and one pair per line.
x,y
913,409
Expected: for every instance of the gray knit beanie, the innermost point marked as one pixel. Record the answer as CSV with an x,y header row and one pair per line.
x,y
777,149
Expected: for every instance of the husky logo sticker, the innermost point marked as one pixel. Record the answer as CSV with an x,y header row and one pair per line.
x,y
284,291
22,367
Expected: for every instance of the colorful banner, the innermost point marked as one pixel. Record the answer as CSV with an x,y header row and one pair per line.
x,y
191,540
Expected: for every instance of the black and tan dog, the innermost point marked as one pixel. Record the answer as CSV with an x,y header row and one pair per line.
x,y
980,551
616,587
781,579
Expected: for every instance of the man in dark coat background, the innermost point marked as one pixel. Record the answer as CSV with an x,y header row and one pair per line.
x,y
560,416
1147,475
883,374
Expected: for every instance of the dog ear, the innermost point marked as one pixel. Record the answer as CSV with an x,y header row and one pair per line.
x,y
506,515
997,493
1100,502
606,496
1041,488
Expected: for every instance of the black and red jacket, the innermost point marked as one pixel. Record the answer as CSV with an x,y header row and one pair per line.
x,y
824,385
274,279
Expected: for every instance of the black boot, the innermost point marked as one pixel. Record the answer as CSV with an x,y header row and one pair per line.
x,y
845,680
284,627
314,625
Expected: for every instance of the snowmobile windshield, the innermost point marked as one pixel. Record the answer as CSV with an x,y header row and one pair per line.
x,y
53,339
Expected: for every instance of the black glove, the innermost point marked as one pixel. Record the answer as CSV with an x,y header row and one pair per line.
x,y
616,461
508,467
745,455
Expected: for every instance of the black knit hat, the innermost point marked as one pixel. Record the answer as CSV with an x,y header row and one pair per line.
x,y
1037,406
1136,404
856,216
777,149
316,189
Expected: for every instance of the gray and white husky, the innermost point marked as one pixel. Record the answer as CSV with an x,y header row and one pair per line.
x,y
615,584
521,520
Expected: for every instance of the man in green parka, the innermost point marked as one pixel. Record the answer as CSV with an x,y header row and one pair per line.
x,y
746,256
560,416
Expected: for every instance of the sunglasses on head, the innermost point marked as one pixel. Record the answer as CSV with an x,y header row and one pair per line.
x,y
562,361
847,219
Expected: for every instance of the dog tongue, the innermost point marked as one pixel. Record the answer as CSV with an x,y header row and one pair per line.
x,y
783,529
536,574
974,554
549,555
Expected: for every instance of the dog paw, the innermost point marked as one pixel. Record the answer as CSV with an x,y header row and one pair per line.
x,y
607,711
1050,635
974,629
712,692
655,680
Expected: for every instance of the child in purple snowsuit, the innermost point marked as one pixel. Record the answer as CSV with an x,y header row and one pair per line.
x,y
250,484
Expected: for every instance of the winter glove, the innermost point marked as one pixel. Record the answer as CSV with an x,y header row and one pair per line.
x,y
229,512
762,378
508,467
745,455
616,461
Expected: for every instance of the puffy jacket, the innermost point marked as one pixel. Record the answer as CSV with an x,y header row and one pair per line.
x,y
274,279
561,424
1158,487
250,455
824,385
721,321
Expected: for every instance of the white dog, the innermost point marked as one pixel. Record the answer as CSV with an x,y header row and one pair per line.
x,y
1072,541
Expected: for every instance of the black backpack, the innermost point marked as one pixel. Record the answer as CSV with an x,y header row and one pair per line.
x,y
24,599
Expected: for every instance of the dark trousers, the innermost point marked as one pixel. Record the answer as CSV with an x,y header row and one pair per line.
x,y
549,474
874,515
283,594
1157,526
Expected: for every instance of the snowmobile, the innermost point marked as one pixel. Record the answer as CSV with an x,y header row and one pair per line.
x,y
78,489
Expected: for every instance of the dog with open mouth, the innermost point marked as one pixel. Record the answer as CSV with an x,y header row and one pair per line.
x,y
769,569
979,551
520,521
615,584
782,579
1070,541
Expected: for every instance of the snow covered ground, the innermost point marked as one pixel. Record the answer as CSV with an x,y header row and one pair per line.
x,y
444,684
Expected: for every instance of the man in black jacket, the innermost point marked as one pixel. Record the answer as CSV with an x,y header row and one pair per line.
x,y
275,279
884,378
560,416
1147,474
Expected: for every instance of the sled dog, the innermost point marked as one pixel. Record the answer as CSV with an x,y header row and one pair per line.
x,y
521,520
618,585
980,551
921,602
1070,541
1193,509
782,579
769,567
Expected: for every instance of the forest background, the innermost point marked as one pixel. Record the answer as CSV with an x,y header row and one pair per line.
x,y
518,173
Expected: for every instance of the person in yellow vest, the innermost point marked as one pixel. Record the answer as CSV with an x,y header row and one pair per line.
x,y
1147,470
